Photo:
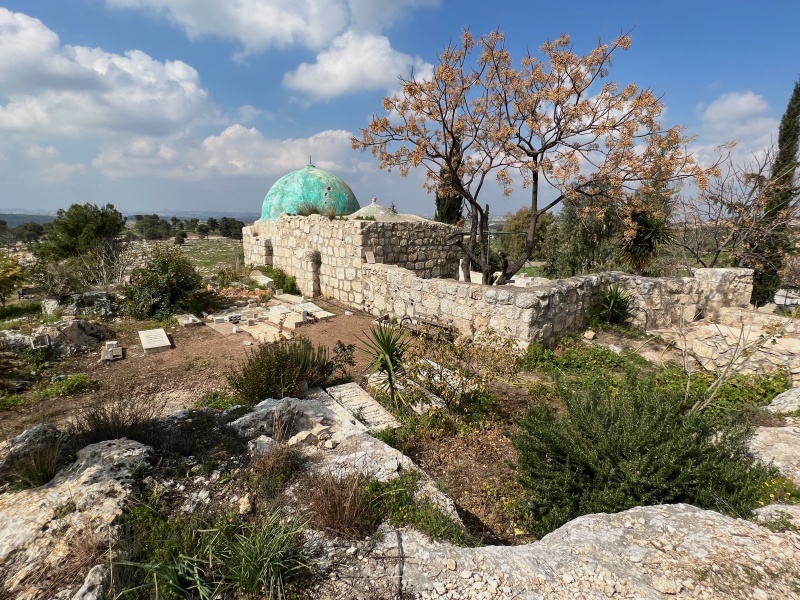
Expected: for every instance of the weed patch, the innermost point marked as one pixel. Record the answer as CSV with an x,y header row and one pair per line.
x,y
77,383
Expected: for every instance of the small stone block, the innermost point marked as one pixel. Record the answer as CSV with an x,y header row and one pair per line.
x,y
370,256
154,340
187,320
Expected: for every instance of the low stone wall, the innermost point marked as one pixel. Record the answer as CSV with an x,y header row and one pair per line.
x,y
660,302
545,313
326,256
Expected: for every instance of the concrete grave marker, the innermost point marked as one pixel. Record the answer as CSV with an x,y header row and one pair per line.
x,y
307,307
154,340
187,320
352,397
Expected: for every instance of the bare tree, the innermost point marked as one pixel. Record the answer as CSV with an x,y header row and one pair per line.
x,y
726,222
550,123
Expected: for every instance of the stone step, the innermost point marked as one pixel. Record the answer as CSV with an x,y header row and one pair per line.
x,y
363,406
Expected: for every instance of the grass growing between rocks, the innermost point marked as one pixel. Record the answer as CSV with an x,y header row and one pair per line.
x,y
72,385
211,556
353,505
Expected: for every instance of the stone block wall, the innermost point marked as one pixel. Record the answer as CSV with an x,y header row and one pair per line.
x,y
545,313
326,256
659,302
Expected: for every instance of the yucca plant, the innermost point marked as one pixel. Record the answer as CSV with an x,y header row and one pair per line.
x,y
387,346
613,307
650,233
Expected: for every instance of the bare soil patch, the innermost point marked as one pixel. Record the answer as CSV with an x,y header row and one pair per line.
x,y
179,377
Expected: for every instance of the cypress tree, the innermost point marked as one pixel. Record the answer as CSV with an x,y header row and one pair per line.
x,y
769,251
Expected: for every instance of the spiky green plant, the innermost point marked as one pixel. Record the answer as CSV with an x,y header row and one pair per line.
x,y
387,346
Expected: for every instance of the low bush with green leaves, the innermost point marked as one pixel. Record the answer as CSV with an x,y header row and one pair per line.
x,y
613,307
20,309
211,557
616,445
218,400
354,505
72,385
281,280
165,283
572,357
283,368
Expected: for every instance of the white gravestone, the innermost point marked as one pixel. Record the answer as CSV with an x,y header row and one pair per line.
x,y
154,340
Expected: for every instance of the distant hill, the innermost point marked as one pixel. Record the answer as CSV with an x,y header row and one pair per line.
x,y
14,219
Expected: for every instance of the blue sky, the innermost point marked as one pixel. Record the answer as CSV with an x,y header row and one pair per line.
x,y
175,106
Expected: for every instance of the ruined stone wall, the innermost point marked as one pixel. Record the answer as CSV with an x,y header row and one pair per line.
x,y
545,313
660,302
326,256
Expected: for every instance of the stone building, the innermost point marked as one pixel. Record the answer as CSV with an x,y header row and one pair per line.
x,y
401,265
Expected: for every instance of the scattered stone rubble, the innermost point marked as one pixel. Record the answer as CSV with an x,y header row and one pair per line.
x,y
67,337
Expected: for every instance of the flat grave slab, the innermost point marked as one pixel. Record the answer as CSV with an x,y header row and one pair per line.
x,y
307,306
289,298
187,320
363,406
154,340
289,319
261,279
264,333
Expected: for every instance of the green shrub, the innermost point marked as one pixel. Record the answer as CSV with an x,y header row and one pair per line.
x,y
77,383
282,281
11,401
613,308
20,309
395,501
354,505
737,394
167,282
576,358
386,346
613,448
278,370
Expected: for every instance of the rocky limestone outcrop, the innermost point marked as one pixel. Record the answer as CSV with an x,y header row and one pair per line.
x,y
785,402
654,552
50,533
16,449
778,446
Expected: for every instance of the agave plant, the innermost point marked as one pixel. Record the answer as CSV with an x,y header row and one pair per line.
x,y
387,345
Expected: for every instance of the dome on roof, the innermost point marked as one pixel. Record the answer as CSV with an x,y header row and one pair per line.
x,y
308,186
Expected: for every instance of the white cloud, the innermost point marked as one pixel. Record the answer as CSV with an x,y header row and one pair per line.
x,y
35,152
742,117
354,62
242,151
74,90
260,24
138,156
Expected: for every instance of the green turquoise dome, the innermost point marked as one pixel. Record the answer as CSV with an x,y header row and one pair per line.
x,y
308,186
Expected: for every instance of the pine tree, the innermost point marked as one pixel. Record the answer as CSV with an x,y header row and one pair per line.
x,y
771,249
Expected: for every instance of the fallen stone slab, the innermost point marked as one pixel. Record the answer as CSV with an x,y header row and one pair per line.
x,y
363,406
187,320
